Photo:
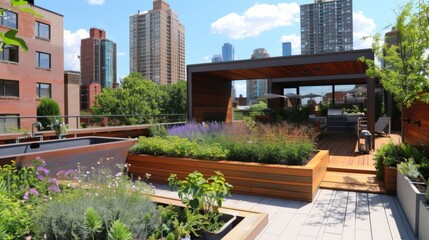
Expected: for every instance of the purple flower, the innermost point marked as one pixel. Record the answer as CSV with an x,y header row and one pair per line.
x,y
43,170
40,177
61,173
70,174
54,188
53,180
34,192
25,196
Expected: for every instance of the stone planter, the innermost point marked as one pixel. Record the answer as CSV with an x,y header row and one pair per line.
x,y
272,180
409,197
219,234
423,219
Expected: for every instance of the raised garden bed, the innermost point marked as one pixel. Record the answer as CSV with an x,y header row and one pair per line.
x,y
272,180
248,225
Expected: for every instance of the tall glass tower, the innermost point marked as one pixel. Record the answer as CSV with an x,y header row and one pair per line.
x,y
257,87
327,26
227,52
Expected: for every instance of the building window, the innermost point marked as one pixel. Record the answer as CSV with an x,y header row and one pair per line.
x,y
43,30
43,90
43,60
9,53
9,88
9,123
9,19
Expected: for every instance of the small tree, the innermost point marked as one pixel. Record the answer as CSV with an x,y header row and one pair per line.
x,y
48,107
405,68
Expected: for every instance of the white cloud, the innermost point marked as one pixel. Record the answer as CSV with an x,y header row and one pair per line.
x,y
362,27
295,41
207,59
257,19
240,88
121,54
72,48
96,2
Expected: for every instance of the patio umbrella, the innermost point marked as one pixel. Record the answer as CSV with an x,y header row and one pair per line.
x,y
293,95
357,90
272,96
311,95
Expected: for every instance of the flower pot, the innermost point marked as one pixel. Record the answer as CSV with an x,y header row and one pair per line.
x,y
219,234
423,219
409,197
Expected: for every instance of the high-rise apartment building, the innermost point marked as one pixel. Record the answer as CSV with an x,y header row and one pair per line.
x,y
97,64
157,44
227,52
26,77
287,49
326,26
257,87
217,58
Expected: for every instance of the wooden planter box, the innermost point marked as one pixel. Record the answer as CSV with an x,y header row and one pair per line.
x,y
280,181
423,219
410,198
390,179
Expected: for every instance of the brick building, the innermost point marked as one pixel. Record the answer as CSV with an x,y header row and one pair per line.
x,y
26,77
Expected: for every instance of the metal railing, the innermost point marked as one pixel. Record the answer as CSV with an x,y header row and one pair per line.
x,y
15,124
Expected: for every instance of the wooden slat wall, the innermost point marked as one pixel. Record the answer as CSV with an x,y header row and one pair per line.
x,y
211,100
290,182
413,133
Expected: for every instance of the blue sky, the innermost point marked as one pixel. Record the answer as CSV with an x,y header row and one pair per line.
x,y
247,24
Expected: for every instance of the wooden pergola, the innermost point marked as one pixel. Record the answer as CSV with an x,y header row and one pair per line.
x,y
209,84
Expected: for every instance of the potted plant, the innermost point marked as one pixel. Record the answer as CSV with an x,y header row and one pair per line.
x,y
407,189
206,196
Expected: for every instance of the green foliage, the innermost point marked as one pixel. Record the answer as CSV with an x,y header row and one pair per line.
x,y
112,197
48,107
174,146
257,109
295,115
408,168
201,195
119,231
392,154
406,64
136,96
175,98
197,192
93,222
157,130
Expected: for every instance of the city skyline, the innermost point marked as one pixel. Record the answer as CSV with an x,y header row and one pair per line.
x,y
209,24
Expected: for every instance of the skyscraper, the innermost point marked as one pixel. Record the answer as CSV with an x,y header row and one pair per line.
x,y
327,26
257,87
97,64
287,48
157,44
227,52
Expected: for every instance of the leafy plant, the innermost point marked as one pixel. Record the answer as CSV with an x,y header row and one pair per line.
x,y
118,231
409,169
93,222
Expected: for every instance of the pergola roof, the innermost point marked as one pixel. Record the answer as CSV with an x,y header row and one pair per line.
x,y
315,69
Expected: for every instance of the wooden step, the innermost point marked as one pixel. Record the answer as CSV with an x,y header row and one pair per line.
x,y
351,169
361,182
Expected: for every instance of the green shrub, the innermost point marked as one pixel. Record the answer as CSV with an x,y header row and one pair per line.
x,y
47,107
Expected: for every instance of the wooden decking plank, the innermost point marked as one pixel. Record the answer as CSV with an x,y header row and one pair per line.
x,y
362,213
398,228
349,231
337,213
381,229
314,221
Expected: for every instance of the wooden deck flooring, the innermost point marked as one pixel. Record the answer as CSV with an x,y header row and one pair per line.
x,y
332,215
348,169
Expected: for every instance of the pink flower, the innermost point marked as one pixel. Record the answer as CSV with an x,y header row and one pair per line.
x,y
34,192
25,196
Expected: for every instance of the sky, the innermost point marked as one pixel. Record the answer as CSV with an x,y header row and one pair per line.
x,y
247,24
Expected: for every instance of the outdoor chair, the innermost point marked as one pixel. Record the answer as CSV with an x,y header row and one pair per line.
x,y
382,125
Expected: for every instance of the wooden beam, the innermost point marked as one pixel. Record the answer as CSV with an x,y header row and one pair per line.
x,y
370,106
